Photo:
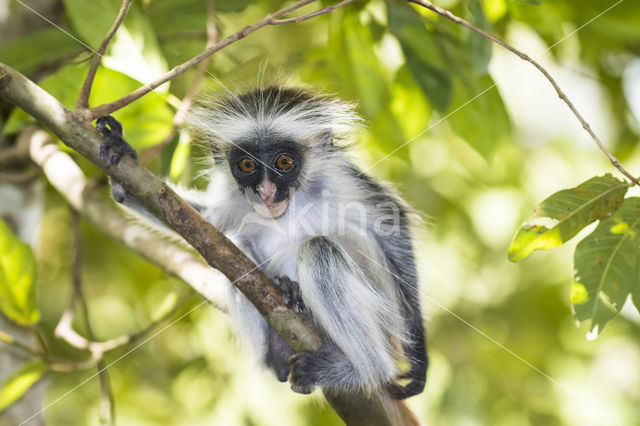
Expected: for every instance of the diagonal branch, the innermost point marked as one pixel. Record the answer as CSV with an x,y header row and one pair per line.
x,y
171,256
83,99
106,109
450,16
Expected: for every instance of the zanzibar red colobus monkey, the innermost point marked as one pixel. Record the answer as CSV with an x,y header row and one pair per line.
x,y
337,242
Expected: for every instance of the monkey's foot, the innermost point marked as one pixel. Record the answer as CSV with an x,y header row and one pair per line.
x,y
304,372
113,146
291,293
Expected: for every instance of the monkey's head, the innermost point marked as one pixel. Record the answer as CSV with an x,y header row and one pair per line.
x,y
273,141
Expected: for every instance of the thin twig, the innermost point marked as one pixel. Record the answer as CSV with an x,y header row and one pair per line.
x,y
19,177
106,403
83,98
187,101
450,16
105,109
10,340
323,11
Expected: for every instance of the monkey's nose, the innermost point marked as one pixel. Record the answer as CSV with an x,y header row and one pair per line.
x,y
267,191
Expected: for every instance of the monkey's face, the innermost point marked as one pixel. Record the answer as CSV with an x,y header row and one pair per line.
x,y
268,173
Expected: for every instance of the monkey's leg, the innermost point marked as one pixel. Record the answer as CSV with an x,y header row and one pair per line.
x,y
278,352
354,316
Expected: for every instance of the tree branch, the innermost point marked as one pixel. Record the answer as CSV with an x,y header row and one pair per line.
x,y
106,109
217,250
172,257
83,99
450,16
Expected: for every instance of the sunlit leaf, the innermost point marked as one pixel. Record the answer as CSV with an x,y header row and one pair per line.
x,y
421,52
606,266
146,121
17,276
133,50
574,208
20,381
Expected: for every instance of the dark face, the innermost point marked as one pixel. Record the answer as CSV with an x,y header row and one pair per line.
x,y
268,172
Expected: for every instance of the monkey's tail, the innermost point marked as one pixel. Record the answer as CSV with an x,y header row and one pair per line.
x,y
356,411
399,413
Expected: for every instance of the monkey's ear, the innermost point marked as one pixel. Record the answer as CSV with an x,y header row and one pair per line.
x,y
326,138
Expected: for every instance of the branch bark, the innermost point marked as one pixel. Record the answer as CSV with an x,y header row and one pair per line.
x,y
450,16
217,250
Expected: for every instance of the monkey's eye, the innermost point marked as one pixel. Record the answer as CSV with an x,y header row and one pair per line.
x,y
284,162
247,165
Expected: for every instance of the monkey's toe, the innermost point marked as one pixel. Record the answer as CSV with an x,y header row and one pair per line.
x,y
304,372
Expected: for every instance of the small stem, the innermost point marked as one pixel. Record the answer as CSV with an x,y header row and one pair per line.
x,y
322,11
83,99
106,109
450,16
10,340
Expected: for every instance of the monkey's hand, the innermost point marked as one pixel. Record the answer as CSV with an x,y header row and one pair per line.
x,y
113,142
291,293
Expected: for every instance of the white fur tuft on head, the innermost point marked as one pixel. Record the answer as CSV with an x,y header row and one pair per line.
x,y
296,114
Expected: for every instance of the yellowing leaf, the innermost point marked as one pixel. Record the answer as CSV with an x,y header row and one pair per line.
x,y
20,381
17,276
574,208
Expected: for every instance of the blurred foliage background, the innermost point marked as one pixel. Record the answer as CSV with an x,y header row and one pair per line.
x,y
489,139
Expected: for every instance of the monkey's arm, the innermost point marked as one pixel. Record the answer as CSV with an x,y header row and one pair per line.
x,y
359,322
114,147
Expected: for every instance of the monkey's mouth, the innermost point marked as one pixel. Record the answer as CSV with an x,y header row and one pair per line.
x,y
271,210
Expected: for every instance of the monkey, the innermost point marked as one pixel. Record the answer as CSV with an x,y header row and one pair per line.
x,y
337,243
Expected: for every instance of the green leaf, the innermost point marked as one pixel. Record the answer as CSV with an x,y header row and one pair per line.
x,y
17,276
232,5
478,48
606,266
422,55
362,78
40,47
92,19
20,381
362,75
574,208
479,115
